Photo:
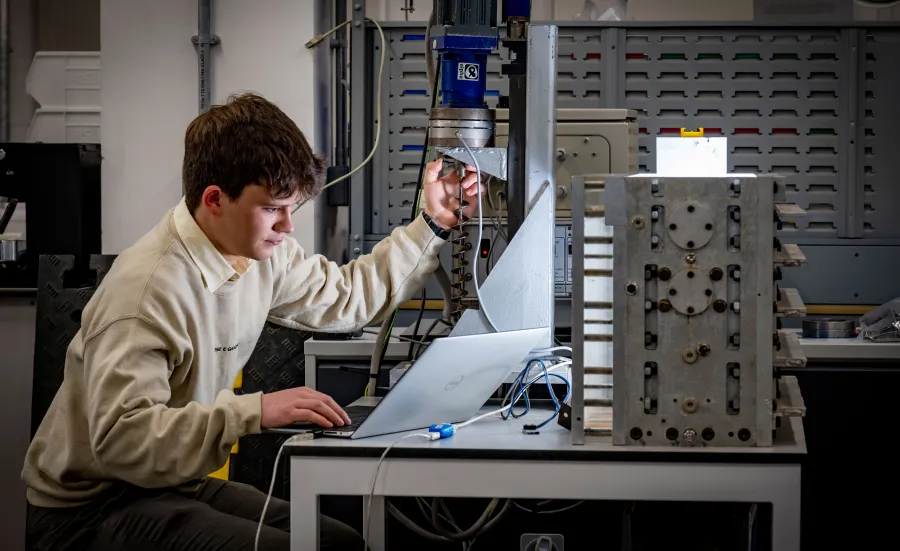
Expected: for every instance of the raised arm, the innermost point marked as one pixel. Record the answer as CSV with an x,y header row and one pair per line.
x,y
316,294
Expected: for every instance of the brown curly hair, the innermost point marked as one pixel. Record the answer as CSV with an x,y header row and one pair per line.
x,y
246,141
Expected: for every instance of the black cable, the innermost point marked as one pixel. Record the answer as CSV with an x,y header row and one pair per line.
x,y
415,334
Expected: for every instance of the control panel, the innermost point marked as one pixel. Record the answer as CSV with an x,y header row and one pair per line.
x,y
562,261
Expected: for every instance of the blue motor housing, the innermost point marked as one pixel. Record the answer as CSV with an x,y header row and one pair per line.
x,y
464,35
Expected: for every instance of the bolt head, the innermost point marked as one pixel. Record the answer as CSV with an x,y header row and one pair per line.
x,y
690,435
720,306
715,274
704,350
665,274
691,258
665,306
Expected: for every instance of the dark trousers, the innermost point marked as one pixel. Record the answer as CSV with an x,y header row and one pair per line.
x,y
220,516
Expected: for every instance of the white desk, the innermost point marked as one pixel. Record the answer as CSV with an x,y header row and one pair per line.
x,y
350,349
493,458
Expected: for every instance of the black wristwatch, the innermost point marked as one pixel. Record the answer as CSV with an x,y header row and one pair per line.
x,y
438,231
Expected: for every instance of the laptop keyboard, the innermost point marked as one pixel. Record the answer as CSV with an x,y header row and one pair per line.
x,y
357,415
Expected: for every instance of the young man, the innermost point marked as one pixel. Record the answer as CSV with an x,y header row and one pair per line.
x,y
145,411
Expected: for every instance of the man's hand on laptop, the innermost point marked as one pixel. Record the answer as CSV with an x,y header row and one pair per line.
x,y
301,405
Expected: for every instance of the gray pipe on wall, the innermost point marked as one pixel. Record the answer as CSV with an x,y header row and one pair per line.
x,y
4,70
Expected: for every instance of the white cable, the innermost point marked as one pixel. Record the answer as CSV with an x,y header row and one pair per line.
x,y
269,496
475,252
544,351
432,436
378,116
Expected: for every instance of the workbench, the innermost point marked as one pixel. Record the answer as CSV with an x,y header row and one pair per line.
x,y
849,350
494,458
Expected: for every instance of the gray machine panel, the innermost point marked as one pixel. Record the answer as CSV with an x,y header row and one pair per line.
x,y
812,103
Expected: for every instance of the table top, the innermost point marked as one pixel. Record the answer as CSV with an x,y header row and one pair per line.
x,y
357,347
850,349
496,439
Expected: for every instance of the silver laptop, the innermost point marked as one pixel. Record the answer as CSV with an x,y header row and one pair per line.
x,y
449,383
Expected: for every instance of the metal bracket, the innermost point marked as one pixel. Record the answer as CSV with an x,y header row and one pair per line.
x,y
790,256
214,40
790,305
791,353
791,403
491,160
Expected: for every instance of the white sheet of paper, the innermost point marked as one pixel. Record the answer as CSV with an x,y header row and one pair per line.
x,y
692,156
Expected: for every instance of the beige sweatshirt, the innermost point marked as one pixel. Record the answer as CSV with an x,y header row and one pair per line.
x,y
147,395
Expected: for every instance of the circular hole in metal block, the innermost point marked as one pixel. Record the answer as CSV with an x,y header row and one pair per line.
x,y
688,225
631,288
636,433
744,435
730,435
649,433
708,434
672,434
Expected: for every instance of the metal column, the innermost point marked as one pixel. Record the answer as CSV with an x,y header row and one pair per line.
x,y
360,110
4,70
540,142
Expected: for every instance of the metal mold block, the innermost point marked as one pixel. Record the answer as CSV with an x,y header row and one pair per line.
x,y
694,321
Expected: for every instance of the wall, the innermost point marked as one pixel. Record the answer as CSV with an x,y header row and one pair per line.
x,y
150,95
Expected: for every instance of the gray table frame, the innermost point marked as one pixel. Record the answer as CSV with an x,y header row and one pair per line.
x,y
354,349
495,459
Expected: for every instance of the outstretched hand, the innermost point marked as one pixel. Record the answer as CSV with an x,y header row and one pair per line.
x,y
441,194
